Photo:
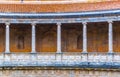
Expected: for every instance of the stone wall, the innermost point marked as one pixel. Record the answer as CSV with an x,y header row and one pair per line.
x,y
59,65
58,73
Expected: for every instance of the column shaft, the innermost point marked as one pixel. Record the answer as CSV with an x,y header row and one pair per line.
x,y
84,37
58,37
7,49
33,39
110,34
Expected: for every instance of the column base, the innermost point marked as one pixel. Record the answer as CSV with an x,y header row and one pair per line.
x,y
58,56
110,52
7,52
33,52
84,52
58,52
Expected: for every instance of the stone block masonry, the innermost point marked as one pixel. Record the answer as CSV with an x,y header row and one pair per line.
x,y
74,60
57,73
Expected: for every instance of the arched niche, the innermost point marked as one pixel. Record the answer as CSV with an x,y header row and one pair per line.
x,y
72,37
46,38
20,38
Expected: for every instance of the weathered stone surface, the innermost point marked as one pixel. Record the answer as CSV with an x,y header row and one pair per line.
x,y
58,73
89,60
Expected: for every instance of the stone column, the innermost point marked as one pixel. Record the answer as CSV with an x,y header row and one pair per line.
x,y
110,34
33,38
58,37
84,37
7,45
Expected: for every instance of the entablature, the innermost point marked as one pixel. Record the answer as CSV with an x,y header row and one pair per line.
x,y
60,15
62,20
78,17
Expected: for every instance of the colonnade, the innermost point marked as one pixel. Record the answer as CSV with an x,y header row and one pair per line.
x,y
110,37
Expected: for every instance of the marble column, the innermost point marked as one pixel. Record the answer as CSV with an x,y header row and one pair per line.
x,y
58,37
110,38
84,37
7,45
33,38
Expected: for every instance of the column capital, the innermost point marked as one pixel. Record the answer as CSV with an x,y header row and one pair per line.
x,y
110,21
7,23
33,24
84,23
59,24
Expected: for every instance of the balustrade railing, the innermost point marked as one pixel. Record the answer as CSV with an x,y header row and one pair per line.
x,y
61,59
